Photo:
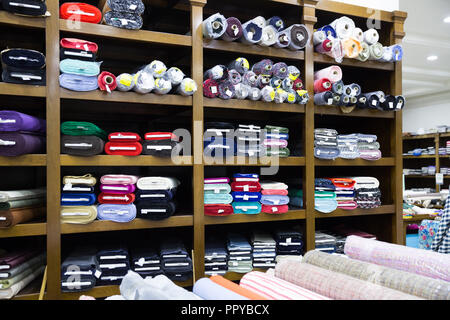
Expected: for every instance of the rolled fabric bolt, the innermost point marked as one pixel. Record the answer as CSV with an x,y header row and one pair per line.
x,y
275,82
302,96
356,89
187,87
344,27
322,85
241,65
267,94
280,70
268,37
218,72
399,103
371,36
76,82
123,20
254,94
389,103
82,12
214,26
210,88
131,6
156,68
323,98
373,101
324,47
380,94
358,34
287,84
233,30
376,51
251,33
143,82
226,90
263,67
319,37
241,91
362,102
337,50
292,96
348,90
298,84
162,86
280,95
124,82
107,81
234,77
365,52
338,87
333,73
345,100
250,78
299,35
283,40
294,72
275,22
392,54
260,21
353,101
388,55
329,31
352,48
262,81
336,99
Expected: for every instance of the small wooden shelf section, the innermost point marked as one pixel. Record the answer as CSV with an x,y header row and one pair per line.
x,y
24,90
389,209
261,217
362,113
257,162
253,105
383,162
108,160
22,21
24,230
321,58
28,160
426,156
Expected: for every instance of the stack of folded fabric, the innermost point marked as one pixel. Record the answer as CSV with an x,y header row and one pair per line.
x,y
326,144
324,195
289,242
124,14
246,193
176,263
79,11
219,140
160,144
114,263
447,147
217,197
18,268
368,147
348,146
265,80
146,262
274,197
325,242
216,258
19,206
155,198
123,144
78,199
117,198
264,250
275,141
80,270
367,192
32,8
239,253
248,139
21,133
79,70
345,193
23,66
82,138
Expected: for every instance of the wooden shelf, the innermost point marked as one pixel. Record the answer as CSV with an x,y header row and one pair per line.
x,y
105,31
24,230
387,66
253,105
240,48
417,218
427,156
383,162
348,9
257,162
262,217
22,21
24,90
363,113
389,209
444,135
420,137
424,177
126,161
136,224
27,160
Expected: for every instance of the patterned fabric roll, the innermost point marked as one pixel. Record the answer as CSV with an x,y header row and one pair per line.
x,y
280,95
187,87
250,78
162,86
275,82
123,20
210,88
124,82
143,82
214,26
241,65
241,91
298,84
218,72
280,70
267,94
80,12
234,77
175,75
130,6
263,81
276,22
226,90
263,67
294,73
233,30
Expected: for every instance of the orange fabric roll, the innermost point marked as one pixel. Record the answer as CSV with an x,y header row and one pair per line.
x,y
352,48
230,285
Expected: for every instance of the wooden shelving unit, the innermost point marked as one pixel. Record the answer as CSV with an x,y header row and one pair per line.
x,y
197,109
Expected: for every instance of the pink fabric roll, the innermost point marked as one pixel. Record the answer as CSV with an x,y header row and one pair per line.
x,y
275,143
118,179
271,192
424,262
335,285
333,73
347,205
276,289
118,188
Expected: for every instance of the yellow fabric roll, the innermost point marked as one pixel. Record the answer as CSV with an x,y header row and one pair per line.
x,y
78,214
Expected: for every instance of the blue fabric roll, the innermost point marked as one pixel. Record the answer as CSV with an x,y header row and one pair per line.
x,y
209,290
80,67
246,196
116,212
76,82
77,199
217,198
329,31
219,146
274,200
246,207
252,33
276,22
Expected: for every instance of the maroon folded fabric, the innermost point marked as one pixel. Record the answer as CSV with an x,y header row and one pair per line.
x,y
118,188
274,209
123,148
113,198
218,209
246,186
17,143
15,258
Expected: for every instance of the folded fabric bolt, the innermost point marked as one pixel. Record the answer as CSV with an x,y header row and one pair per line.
x,y
123,20
10,282
124,137
78,214
366,182
21,76
251,32
78,269
343,182
113,198
217,198
274,192
23,58
77,188
82,145
324,183
239,177
246,207
275,143
78,11
326,153
371,155
207,289
157,183
16,143
218,209
155,210
161,148
214,26
217,188
216,180
87,179
80,67
17,287
119,179
130,6
17,121
118,188
160,136
77,199
116,212
216,146
12,217
12,204
11,260
246,186
274,209
26,7
347,205
272,185
123,148
79,44
155,195
277,152
246,196
76,82
81,54
80,128
325,205
369,203
325,194
274,200
366,193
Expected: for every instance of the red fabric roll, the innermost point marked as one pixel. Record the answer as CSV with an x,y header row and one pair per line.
x,y
210,88
107,81
270,192
274,209
112,198
123,148
322,85
324,46
218,209
73,43
160,136
343,182
79,11
124,137
246,186
298,84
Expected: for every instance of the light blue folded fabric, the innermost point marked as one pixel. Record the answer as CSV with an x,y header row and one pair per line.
x,y
217,198
207,289
116,212
325,205
76,82
326,153
246,207
216,188
274,200
80,67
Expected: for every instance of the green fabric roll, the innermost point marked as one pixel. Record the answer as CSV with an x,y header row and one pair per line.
x,y
295,193
21,203
80,128
270,128
325,194
281,152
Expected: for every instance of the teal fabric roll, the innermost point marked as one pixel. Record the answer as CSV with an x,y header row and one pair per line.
x,y
215,188
79,67
246,207
218,198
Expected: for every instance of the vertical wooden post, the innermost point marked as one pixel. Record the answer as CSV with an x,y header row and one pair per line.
x,y
197,136
53,149
437,140
309,19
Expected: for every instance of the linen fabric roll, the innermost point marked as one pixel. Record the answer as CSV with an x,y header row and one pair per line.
x,y
209,290
78,214
214,26
16,143
80,12
344,27
76,82
269,36
116,212
236,288
82,145
371,36
123,20
26,7
233,30
12,217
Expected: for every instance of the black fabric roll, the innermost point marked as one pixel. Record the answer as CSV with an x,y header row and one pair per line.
x,y
155,210
389,103
123,20
78,54
234,29
373,102
159,148
344,100
21,76
93,145
39,8
323,98
400,102
23,58
362,102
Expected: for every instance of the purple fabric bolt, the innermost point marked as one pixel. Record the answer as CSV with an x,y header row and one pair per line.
x,y
234,29
274,200
280,70
250,78
116,212
15,258
118,188
17,121
234,77
263,67
226,90
76,82
18,143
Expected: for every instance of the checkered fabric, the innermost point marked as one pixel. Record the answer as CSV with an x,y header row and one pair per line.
x,y
441,242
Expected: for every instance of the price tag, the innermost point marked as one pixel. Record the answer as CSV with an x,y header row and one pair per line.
x,y
214,89
374,102
440,178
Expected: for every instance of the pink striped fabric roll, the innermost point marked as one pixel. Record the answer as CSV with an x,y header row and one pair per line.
x,y
275,143
272,192
335,285
333,73
424,262
276,289
118,179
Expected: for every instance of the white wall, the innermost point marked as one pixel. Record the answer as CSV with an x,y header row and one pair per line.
x,y
386,5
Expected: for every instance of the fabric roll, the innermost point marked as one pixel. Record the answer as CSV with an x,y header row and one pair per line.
x,y
17,121
280,70
347,205
82,214
275,22
246,207
275,82
218,209
240,64
280,95
12,217
123,20
358,35
15,288
376,51
227,284
250,78
245,177
329,31
143,82
274,209
214,26
156,68
78,11
154,210
77,188
113,198
233,30
333,73
162,86
278,152
118,188
82,145
298,84
324,47
283,39
23,58
251,33
269,36
209,290
124,137
218,72
299,35
293,73
234,77
16,143
81,54
34,8
365,182
371,36
21,76
389,103
216,180
107,81
319,37
392,54
116,212
118,179
323,98
344,27
187,87
76,82
77,199
292,96
25,194
242,91
322,85
157,183
399,102
263,67
267,94
219,147
155,136
210,88
130,6
175,75
246,186
352,48
421,262
365,52
217,198
15,262
9,282
254,94
80,67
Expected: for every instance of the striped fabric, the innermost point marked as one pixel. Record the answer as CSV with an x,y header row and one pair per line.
x,y
276,289
441,241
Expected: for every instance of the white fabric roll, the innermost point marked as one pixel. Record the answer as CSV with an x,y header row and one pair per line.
x,y
371,36
319,37
358,34
344,27
269,36
260,21
157,183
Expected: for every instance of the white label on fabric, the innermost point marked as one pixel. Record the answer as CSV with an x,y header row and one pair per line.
x,y
318,152
216,190
274,209
391,105
229,93
330,101
86,48
214,89
236,31
26,78
220,211
246,188
2,218
97,274
133,7
124,21
288,240
399,105
255,94
246,197
374,102
250,35
140,262
439,178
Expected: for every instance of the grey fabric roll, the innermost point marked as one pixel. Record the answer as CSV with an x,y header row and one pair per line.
x,y
287,84
241,65
323,98
214,26
187,87
241,91
175,75
254,94
338,87
267,94
162,86
124,82
143,82
156,68
123,20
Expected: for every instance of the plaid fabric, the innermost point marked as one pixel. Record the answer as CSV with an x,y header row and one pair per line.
x,y
335,285
441,242
406,282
